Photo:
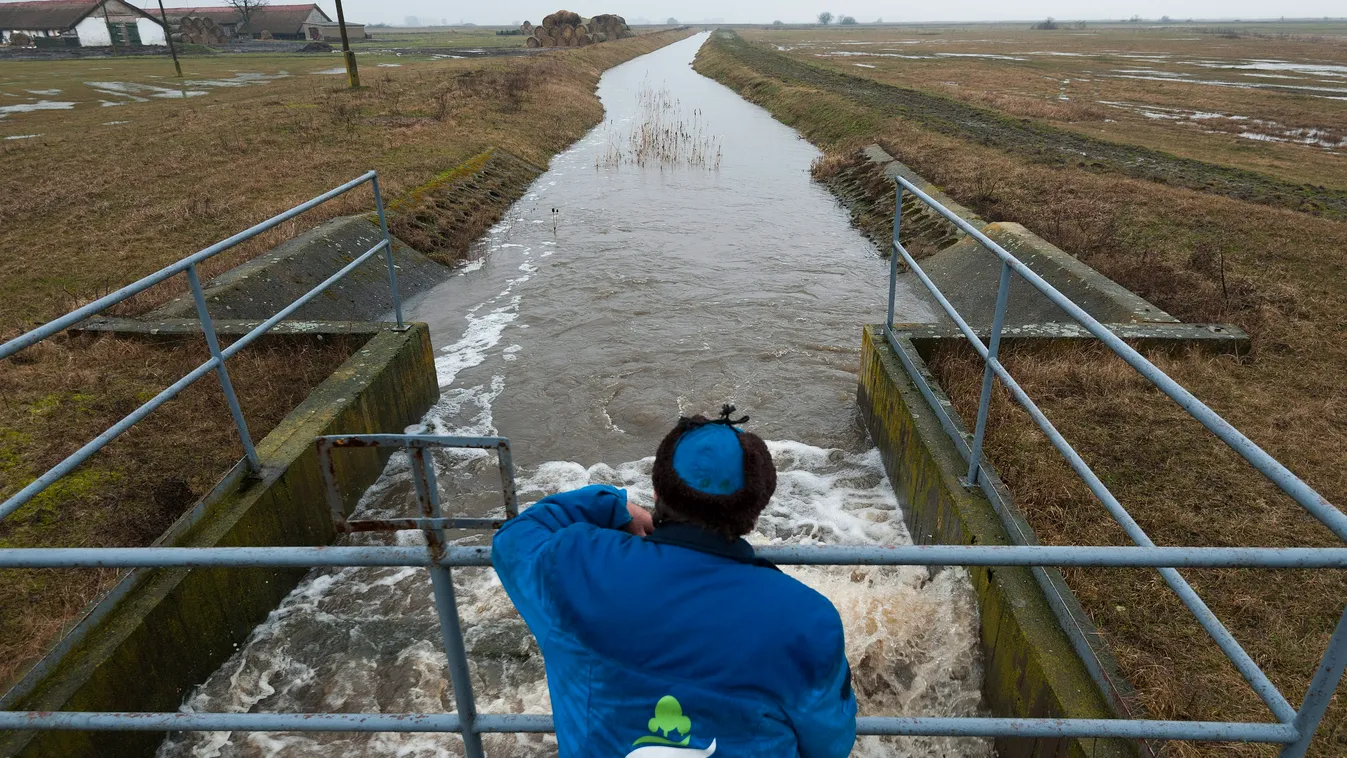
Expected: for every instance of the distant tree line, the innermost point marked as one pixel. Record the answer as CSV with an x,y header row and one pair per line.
x,y
826,18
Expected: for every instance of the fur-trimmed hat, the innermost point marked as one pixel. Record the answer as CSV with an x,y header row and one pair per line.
x,y
714,474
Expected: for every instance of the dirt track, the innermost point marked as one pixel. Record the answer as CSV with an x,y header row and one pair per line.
x,y
1037,141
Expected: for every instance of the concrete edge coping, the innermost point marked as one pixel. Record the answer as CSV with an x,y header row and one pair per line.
x,y
175,326
1218,339
279,449
1024,244
892,167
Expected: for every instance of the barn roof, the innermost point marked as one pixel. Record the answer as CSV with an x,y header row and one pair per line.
x,y
281,19
52,14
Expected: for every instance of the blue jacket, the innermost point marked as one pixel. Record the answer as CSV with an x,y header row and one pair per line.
x,y
677,645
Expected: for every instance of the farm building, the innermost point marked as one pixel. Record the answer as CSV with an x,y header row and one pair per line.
x,y
331,30
78,23
277,21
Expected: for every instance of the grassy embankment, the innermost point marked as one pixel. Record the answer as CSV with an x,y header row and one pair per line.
x,y
108,194
1200,252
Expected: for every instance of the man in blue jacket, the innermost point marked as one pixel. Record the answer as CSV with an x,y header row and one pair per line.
x,y
666,637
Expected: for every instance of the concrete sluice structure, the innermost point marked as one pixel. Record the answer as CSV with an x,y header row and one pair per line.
x,y
583,348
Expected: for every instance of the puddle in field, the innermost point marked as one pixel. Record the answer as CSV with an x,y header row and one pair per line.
x,y
653,291
41,105
123,92
22,136
1262,130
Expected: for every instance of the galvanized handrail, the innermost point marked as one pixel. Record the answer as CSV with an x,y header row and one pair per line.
x,y
1325,681
218,357
440,557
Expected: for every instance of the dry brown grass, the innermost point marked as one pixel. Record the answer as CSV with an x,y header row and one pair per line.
x,y
1276,273
1090,67
62,393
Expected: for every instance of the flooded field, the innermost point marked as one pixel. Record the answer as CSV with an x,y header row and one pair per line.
x,y
1274,102
94,83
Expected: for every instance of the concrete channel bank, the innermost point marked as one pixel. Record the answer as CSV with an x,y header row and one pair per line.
x,y
159,633
1043,656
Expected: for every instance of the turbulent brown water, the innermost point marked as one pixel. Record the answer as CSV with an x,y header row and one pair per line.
x,y
582,334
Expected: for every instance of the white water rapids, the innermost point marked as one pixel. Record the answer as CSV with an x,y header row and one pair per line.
x,y
582,334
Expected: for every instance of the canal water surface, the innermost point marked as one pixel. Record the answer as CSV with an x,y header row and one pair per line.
x,y
614,297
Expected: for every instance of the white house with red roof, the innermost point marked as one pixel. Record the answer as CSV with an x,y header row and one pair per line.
x,y
79,23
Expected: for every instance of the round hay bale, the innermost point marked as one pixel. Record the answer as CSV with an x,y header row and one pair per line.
x,y
549,21
540,32
573,18
532,42
266,34
19,39
600,37
526,27
549,41
567,32
582,40
581,29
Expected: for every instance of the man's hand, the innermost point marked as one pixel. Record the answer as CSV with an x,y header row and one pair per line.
x,y
642,523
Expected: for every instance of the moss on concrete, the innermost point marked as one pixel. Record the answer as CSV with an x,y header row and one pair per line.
x,y
1031,669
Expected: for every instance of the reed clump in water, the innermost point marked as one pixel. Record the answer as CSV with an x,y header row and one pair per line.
x,y
665,135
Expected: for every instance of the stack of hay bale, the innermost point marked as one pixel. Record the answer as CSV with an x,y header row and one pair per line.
x,y
567,29
200,30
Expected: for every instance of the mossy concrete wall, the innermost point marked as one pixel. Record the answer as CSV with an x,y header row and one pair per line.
x,y
169,629
1031,668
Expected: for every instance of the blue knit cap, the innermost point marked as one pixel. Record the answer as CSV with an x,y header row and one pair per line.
x,y
710,459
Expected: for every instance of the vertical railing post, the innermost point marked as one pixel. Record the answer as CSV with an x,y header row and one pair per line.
x,y
993,349
507,480
213,343
446,605
388,251
893,258
1320,693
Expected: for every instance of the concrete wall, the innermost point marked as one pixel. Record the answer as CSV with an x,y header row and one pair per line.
x,y
93,31
271,281
1031,668
162,632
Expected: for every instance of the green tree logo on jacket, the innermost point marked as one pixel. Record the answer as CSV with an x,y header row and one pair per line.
x,y
668,722
668,719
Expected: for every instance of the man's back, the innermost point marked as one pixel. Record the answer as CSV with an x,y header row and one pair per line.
x,y
676,642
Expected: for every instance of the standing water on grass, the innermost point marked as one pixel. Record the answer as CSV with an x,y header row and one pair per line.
x,y
675,258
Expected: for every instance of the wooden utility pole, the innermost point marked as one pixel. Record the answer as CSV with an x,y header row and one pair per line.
x,y
352,74
168,37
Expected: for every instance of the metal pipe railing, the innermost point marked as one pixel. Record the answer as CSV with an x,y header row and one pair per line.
x,y
1240,658
786,555
1297,489
1270,467
439,557
219,356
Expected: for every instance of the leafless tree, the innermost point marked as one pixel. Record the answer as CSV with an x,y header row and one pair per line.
x,y
825,18
245,9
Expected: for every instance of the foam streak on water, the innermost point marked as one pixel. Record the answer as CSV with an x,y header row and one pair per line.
x,y
582,335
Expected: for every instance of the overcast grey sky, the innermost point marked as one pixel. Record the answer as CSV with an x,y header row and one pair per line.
x,y
501,12
762,11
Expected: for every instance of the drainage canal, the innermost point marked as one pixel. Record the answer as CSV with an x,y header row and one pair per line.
x,y
689,261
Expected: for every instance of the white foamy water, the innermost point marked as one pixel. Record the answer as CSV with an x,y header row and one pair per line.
x,y
582,335
367,640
